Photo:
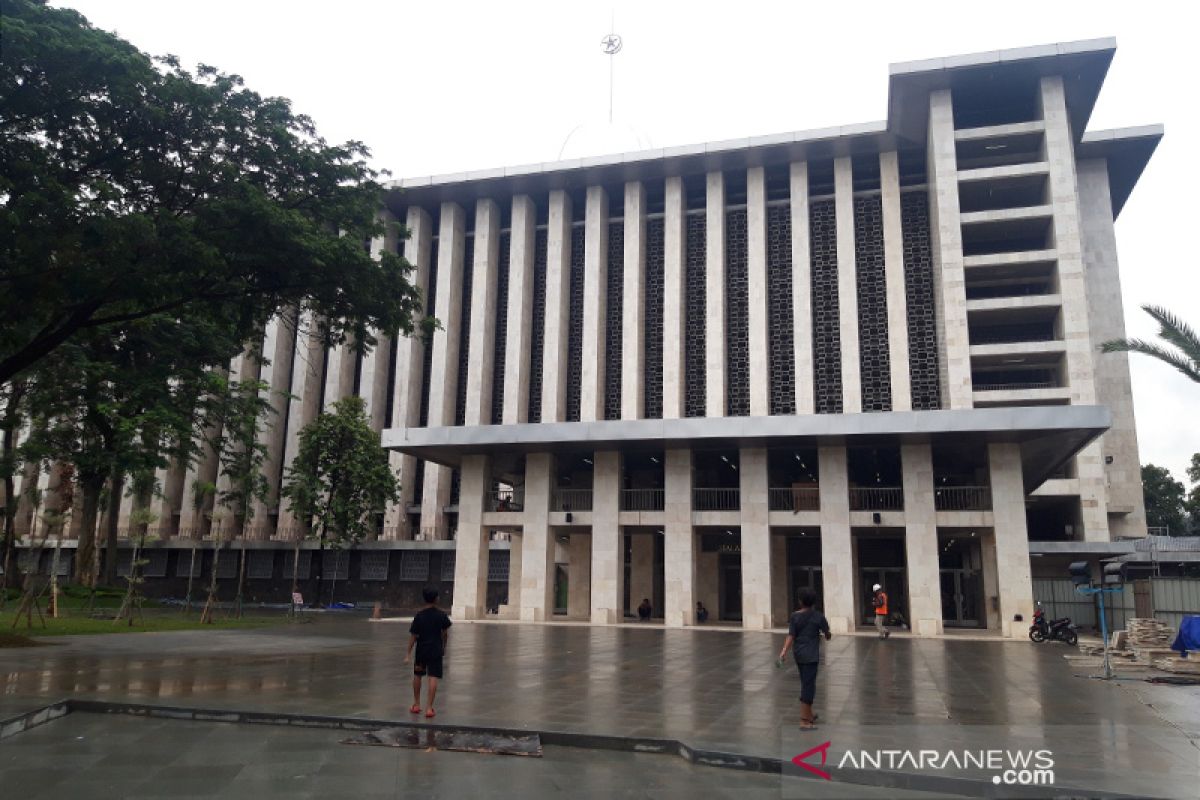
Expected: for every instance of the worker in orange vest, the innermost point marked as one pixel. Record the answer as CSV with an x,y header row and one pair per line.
x,y
881,611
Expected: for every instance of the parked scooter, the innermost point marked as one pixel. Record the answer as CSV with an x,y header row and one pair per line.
x,y
1043,630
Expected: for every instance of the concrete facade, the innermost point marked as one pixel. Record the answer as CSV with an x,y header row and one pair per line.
x,y
919,274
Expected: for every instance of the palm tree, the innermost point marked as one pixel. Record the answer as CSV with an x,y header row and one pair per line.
x,y
1182,344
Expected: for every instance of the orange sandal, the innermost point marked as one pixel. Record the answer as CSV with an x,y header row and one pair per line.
x,y
416,709
430,714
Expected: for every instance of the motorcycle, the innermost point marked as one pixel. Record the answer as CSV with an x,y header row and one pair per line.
x,y
1049,630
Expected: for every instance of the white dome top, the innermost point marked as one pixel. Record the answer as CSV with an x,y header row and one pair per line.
x,y
602,139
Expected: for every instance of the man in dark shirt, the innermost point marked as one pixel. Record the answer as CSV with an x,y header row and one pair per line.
x,y
429,631
804,637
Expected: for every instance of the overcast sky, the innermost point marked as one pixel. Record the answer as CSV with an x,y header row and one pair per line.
x,y
436,87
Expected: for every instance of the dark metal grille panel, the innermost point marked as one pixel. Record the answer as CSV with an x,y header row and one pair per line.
x,y
918,290
373,565
448,559
653,398
498,563
260,565
335,565
827,339
455,485
575,325
695,369
305,571
184,563
155,566
227,564
427,350
737,309
780,345
615,320
464,330
414,565
874,362
537,329
500,336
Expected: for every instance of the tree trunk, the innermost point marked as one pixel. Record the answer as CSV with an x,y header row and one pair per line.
x,y
117,487
85,556
320,570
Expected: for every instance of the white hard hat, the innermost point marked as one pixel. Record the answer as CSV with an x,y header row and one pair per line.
x,y
876,588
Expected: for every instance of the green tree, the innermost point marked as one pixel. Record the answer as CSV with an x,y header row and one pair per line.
x,y
238,412
1164,499
1180,348
1192,502
340,480
130,187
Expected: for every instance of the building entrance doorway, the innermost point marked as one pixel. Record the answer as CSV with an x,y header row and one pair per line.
x,y
881,559
961,574
730,586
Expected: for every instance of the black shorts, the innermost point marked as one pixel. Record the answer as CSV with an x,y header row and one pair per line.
x,y
428,662
808,682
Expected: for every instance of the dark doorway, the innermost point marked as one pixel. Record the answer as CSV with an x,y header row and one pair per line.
x,y
960,561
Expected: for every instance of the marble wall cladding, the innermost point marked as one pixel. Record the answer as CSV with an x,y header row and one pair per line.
x,y
826,338
613,332
537,336
464,330
575,326
653,402
737,330
780,340
427,353
500,336
918,286
874,362
695,371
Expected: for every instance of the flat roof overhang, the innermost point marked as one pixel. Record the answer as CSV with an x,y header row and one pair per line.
x,y
1047,435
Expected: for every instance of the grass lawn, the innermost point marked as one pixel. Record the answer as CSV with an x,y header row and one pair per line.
x,y
151,621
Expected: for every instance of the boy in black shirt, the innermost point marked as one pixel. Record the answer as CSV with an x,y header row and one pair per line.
x,y
805,630
429,630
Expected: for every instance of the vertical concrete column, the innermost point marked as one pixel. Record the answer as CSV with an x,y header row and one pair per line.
x,y
520,310
537,545
843,198
595,305
921,540
169,501
304,405
1012,537
341,361
276,374
945,232
241,367
558,308
756,539
893,269
579,576
1076,331
204,469
837,545
410,373
633,304
443,378
781,605
481,353
757,315
674,299
679,562
1106,318
608,546
802,289
512,609
471,546
641,571
714,287
373,382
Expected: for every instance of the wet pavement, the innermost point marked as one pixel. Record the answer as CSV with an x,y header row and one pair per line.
x,y
718,690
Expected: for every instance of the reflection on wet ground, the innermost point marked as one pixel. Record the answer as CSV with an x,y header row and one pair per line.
x,y
717,690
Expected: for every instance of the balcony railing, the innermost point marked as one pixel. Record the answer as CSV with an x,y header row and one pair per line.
x,y
877,498
1012,387
716,499
506,500
963,498
797,498
643,499
571,500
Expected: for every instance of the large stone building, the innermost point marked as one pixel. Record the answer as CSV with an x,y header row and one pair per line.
x,y
727,372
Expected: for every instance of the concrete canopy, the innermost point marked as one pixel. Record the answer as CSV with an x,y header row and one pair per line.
x,y
1047,435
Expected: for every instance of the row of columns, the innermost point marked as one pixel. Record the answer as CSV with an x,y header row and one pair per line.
x,y
605,560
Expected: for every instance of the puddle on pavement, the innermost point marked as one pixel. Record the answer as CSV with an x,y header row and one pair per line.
x,y
461,740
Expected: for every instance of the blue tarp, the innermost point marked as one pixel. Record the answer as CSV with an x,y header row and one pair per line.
x,y
1188,637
